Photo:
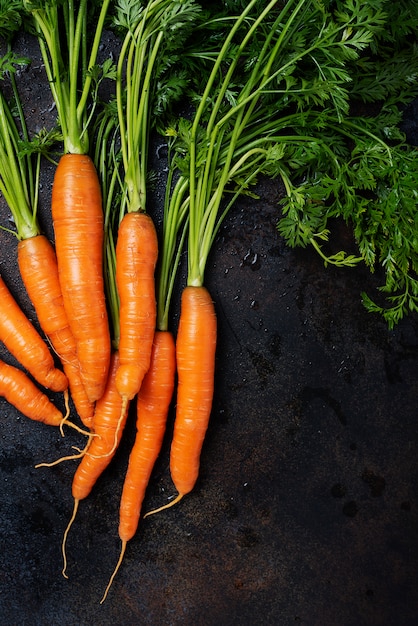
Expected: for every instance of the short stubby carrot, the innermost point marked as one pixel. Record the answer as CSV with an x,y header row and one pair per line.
x,y
78,225
195,353
19,390
24,395
136,258
39,271
22,339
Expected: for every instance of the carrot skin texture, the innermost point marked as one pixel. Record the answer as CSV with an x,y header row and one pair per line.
x,y
25,343
153,403
24,395
78,225
136,258
39,271
102,449
195,354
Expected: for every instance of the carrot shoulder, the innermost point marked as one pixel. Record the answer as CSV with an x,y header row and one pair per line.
x,y
78,224
136,258
25,343
195,353
39,272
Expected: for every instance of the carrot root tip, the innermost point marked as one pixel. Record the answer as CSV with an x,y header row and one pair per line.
x,y
64,539
115,571
165,506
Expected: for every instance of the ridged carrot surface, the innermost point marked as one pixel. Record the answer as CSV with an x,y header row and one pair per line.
x,y
78,224
25,396
39,272
195,353
25,343
136,257
153,403
108,428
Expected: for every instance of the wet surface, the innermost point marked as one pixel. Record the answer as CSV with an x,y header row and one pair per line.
x,y
306,509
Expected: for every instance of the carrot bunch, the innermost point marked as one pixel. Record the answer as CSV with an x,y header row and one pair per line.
x,y
107,250
113,275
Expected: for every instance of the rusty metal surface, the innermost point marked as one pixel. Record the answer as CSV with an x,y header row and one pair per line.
x,y
306,509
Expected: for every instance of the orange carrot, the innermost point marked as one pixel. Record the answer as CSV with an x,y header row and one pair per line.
x,y
195,349
153,402
195,354
136,257
39,271
78,224
24,395
109,422
25,343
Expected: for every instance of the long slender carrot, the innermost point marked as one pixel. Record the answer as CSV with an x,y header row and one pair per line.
x,y
153,403
25,343
108,425
78,224
24,395
39,271
136,257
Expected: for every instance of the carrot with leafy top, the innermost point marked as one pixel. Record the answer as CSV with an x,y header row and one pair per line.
x,y
76,195
157,388
19,183
218,161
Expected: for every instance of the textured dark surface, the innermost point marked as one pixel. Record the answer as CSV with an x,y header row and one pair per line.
x,y
306,509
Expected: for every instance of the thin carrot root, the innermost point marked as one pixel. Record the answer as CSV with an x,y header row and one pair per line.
x,y
66,422
165,506
115,571
79,455
124,408
64,539
67,411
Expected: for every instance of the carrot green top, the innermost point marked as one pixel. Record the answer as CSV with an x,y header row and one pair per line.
x,y
69,66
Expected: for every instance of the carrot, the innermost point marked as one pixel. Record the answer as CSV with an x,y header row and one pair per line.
x,y
24,395
19,184
109,422
78,224
39,271
195,350
136,257
69,44
153,402
25,343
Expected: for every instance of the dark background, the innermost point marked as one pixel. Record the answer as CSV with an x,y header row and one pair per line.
x,y
306,509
